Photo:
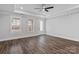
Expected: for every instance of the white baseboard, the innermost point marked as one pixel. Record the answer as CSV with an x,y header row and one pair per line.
x,y
61,36
12,38
65,37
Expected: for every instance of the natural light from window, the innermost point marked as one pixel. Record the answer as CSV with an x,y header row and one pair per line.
x,y
41,25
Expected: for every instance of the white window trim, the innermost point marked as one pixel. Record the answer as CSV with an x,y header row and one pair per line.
x,y
11,23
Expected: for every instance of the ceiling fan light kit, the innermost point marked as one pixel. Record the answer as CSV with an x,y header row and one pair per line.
x,y
45,8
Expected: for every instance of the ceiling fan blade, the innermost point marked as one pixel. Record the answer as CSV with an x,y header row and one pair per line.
x,y
46,10
49,7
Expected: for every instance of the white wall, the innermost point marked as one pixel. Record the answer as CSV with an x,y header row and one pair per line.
x,y
5,32
64,27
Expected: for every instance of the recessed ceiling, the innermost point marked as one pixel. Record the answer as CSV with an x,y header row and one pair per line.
x,y
30,8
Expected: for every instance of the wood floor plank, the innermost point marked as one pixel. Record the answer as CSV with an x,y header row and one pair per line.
x,y
42,44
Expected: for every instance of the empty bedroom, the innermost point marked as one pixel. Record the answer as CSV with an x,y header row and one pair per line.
x,y
39,28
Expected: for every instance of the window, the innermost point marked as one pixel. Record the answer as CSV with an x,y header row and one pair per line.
x,y
41,25
30,25
15,24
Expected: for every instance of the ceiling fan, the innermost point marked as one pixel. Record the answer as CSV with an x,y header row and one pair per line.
x,y
45,8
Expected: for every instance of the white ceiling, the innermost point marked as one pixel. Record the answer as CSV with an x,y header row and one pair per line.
x,y
30,8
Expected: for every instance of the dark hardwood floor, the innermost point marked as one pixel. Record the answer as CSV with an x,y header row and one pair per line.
x,y
42,44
